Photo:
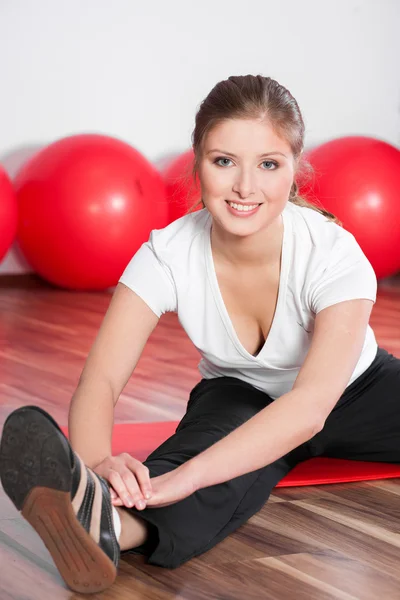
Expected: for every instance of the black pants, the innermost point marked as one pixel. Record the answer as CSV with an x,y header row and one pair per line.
x,y
364,425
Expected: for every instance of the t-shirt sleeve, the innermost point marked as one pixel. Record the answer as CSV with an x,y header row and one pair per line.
x,y
348,275
151,279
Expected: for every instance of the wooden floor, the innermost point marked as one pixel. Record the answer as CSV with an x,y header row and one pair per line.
x,y
325,542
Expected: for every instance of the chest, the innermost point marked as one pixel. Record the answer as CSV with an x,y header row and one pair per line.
x,y
250,298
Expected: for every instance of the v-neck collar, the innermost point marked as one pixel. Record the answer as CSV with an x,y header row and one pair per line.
x,y
212,276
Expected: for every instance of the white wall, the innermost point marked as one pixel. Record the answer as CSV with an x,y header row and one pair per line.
x,y
138,70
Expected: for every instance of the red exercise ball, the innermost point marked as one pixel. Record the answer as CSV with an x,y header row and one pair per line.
x,y
8,213
357,179
182,191
86,204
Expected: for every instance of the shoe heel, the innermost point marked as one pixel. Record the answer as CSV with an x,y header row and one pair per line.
x,y
84,567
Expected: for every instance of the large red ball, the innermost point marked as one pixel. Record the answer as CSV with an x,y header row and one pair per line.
x,y
182,191
86,204
357,179
8,213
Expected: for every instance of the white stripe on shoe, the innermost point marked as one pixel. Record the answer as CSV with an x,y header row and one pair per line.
x,y
80,492
96,509
95,501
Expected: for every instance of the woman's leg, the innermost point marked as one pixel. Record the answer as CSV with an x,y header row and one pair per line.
x,y
365,423
134,530
192,526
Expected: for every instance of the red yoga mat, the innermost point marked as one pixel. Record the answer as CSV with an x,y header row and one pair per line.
x,y
140,439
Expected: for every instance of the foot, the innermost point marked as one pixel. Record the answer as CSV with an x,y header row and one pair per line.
x,y
65,502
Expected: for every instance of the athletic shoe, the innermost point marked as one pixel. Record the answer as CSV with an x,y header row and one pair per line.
x,y
65,502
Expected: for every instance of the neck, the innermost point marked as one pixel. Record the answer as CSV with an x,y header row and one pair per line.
x,y
257,250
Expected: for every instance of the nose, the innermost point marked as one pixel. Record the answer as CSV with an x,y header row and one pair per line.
x,y
244,184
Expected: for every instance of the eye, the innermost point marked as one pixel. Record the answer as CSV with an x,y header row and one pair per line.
x,y
217,161
270,162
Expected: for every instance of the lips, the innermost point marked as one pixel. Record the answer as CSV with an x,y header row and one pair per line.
x,y
243,203
242,213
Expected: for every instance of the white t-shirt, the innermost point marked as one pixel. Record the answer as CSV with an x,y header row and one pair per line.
x,y
321,265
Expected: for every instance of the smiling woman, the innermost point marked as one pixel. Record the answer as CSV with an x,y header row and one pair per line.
x,y
261,99
276,297
244,184
257,278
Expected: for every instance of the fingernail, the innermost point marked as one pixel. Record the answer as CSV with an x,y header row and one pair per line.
x,y
147,495
141,504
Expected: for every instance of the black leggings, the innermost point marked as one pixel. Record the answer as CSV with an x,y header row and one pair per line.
x,y
364,425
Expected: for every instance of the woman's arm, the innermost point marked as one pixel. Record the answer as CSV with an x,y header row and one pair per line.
x,y
297,416
90,421
286,423
122,336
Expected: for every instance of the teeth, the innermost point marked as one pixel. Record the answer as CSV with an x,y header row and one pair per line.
x,y
241,207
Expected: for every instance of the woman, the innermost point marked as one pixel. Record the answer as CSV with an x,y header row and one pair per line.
x,y
277,297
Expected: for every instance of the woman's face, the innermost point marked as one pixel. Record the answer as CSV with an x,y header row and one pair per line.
x,y
246,163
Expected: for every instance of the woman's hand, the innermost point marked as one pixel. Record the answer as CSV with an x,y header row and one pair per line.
x,y
128,477
171,487
166,489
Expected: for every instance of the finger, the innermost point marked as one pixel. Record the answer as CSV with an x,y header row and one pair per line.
x,y
119,486
142,475
131,483
115,497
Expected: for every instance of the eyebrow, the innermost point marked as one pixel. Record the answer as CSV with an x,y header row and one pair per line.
x,y
234,155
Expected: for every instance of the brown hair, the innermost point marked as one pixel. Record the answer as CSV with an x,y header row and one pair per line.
x,y
253,97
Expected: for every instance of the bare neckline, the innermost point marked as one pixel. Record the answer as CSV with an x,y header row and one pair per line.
x,y
212,276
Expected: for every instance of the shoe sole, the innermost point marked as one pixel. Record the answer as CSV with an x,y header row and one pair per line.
x,y
36,474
